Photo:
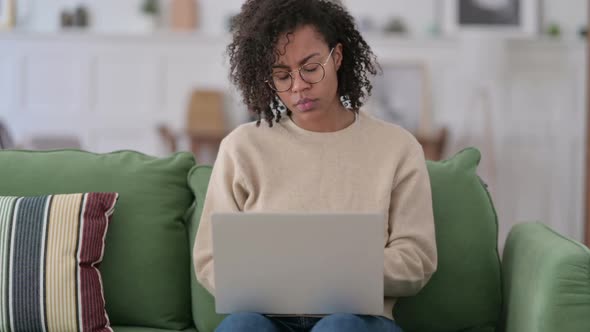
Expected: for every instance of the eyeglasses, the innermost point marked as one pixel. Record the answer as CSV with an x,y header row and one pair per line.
x,y
312,73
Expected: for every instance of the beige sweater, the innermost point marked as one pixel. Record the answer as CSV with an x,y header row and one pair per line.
x,y
370,166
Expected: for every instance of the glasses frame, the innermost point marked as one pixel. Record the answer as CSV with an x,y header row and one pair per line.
x,y
298,70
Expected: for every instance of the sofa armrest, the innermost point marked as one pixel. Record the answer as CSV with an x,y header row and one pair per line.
x,y
546,281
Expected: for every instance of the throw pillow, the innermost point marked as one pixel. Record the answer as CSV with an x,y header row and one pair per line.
x,y
50,250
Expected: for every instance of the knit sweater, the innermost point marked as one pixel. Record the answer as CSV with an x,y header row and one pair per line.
x,y
369,166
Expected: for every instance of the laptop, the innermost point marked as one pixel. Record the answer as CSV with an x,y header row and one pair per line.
x,y
298,263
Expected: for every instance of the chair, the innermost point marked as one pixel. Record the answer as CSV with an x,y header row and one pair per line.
x,y
52,142
205,124
434,145
6,141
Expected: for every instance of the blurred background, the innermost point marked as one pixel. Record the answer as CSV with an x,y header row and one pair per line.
x,y
505,76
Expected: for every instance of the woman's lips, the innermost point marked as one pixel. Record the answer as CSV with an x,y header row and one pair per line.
x,y
306,105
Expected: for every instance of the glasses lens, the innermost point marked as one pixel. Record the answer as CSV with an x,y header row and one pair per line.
x,y
312,72
281,81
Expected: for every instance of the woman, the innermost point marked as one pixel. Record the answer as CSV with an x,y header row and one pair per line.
x,y
303,68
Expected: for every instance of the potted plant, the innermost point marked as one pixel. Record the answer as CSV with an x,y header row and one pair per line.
x,y
151,13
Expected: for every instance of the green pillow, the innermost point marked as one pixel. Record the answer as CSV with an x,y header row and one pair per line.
x,y
465,292
145,269
204,313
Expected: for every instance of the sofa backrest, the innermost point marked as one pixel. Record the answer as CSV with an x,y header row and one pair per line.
x,y
203,304
465,293
146,269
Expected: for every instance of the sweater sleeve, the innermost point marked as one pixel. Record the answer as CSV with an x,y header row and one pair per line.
x,y
226,193
410,251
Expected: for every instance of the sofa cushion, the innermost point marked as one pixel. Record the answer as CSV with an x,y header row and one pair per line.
x,y
465,291
204,314
146,329
50,247
146,261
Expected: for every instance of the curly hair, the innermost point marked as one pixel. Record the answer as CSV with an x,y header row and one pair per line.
x,y
253,50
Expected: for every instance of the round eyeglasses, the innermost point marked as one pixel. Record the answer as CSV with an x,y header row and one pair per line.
x,y
312,73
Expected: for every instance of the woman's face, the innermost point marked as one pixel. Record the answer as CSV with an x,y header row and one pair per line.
x,y
306,100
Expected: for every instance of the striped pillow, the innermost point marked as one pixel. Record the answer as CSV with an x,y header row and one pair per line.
x,y
50,248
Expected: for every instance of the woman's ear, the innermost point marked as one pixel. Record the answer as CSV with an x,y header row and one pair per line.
x,y
337,56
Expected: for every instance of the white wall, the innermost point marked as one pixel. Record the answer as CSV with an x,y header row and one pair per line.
x,y
106,15
538,91
418,14
570,14
112,92
123,16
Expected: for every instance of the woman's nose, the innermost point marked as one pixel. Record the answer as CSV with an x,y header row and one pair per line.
x,y
298,83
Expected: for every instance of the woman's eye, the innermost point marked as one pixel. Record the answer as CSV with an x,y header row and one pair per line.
x,y
310,68
281,76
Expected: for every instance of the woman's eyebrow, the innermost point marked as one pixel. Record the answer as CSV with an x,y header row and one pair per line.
x,y
302,62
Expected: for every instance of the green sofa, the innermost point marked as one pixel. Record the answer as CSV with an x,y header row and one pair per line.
x,y
542,284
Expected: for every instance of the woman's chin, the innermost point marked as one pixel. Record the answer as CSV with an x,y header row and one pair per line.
x,y
306,115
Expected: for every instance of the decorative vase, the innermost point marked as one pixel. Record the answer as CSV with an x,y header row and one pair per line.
x,y
183,14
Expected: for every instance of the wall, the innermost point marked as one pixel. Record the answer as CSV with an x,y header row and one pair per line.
x,y
122,16
113,91
532,142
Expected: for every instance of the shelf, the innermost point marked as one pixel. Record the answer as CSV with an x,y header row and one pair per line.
x,y
375,40
86,35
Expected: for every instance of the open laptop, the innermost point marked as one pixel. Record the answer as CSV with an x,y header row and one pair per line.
x,y
298,263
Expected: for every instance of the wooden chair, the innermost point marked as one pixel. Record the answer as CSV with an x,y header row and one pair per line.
x,y
205,123
434,145
6,141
